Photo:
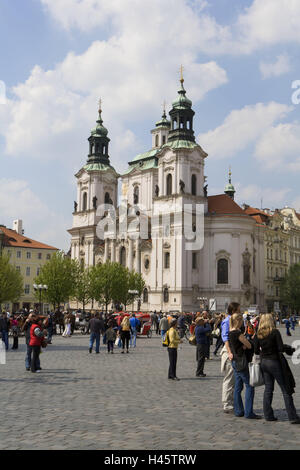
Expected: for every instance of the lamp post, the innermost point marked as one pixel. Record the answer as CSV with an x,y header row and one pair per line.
x,y
40,288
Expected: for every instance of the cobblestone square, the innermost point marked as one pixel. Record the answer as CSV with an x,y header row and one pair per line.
x,y
125,401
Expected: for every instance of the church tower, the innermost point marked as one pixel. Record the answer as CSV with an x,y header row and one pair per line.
x,y
229,188
97,184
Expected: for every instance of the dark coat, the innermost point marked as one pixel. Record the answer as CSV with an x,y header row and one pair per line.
x,y
288,377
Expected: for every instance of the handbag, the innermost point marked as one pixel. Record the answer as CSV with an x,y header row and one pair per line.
x,y
118,339
256,375
166,340
216,333
192,340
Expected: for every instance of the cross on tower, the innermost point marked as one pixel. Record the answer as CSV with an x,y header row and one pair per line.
x,y
100,105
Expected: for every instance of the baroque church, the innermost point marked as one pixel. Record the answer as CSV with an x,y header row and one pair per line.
x,y
164,190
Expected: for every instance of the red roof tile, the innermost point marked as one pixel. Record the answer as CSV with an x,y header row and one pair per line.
x,y
12,238
223,204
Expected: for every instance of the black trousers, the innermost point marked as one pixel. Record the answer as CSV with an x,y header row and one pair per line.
x,y
200,357
35,356
125,337
173,362
272,371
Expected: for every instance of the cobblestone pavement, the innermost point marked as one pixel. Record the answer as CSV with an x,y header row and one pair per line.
x,y
125,401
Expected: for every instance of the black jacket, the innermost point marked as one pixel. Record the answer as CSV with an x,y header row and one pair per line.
x,y
288,377
4,324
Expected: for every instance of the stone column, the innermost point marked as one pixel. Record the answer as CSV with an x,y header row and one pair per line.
x,y
113,251
137,256
106,250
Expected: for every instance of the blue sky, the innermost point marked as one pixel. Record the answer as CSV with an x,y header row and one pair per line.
x,y
59,56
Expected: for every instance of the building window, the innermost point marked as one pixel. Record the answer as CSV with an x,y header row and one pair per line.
x,y
194,185
18,254
223,271
145,296
18,268
136,195
39,255
28,255
157,140
27,271
48,256
147,263
164,140
167,260
27,289
84,202
38,271
166,295
194,260
169,184
107,198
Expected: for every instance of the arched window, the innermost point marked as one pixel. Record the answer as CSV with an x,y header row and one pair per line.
x,y
84,202
164,140
223,271
194,185
107,198
166,295
136,195
157,140
167,260
123,256
169,184
145,296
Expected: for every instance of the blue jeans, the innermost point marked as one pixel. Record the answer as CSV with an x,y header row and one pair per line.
x,y
5,339
28,358
163,332
133,338
242,378
50,332
93,337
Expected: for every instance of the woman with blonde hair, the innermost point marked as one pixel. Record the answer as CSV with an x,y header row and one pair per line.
x,y
238,345
125,333
268,343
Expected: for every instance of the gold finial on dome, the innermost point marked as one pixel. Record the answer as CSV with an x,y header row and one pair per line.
x,y
181,74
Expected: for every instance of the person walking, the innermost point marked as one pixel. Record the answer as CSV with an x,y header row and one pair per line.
x,y
164,325
50,328
14,325
288,326
174,341
201,332
181,325
110,338
4,329
217,332
125,333
95,327
36,339
238,345
134,326
268,343
226,358
67,330
26,328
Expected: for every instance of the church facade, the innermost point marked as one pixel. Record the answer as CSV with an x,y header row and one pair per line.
x,y
189,247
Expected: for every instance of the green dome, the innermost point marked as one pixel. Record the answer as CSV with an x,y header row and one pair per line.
x,y
182,101
229,187
164,122
99,130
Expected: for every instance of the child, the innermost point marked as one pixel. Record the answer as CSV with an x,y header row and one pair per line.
x,y
110,339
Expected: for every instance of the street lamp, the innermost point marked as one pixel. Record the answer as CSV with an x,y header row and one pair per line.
x,y
136,292
40,288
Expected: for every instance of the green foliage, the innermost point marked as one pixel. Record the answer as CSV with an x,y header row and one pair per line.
x,y
83,286
110,282
290,288
11,281
59,274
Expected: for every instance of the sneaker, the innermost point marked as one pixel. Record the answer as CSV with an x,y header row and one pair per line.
x,y
90,350
38,371
176,378
254,416
230,411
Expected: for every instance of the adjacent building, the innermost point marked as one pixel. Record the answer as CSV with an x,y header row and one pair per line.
x,y
28,256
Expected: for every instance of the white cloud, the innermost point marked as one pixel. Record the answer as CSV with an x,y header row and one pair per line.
x,y
253,194
52,112
18,201
241,128
275,69
279,147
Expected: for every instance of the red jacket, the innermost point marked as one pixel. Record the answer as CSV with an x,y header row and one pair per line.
x,y
35,340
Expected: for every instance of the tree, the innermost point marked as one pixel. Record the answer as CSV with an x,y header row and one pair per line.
x,y
133,281
83,286
11,281
59,274
290,288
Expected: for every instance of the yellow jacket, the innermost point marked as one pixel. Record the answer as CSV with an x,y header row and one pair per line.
x,y
174,338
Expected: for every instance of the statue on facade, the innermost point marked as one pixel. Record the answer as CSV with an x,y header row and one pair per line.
x,y
182,186
75,206
95,202
205,190
156,190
